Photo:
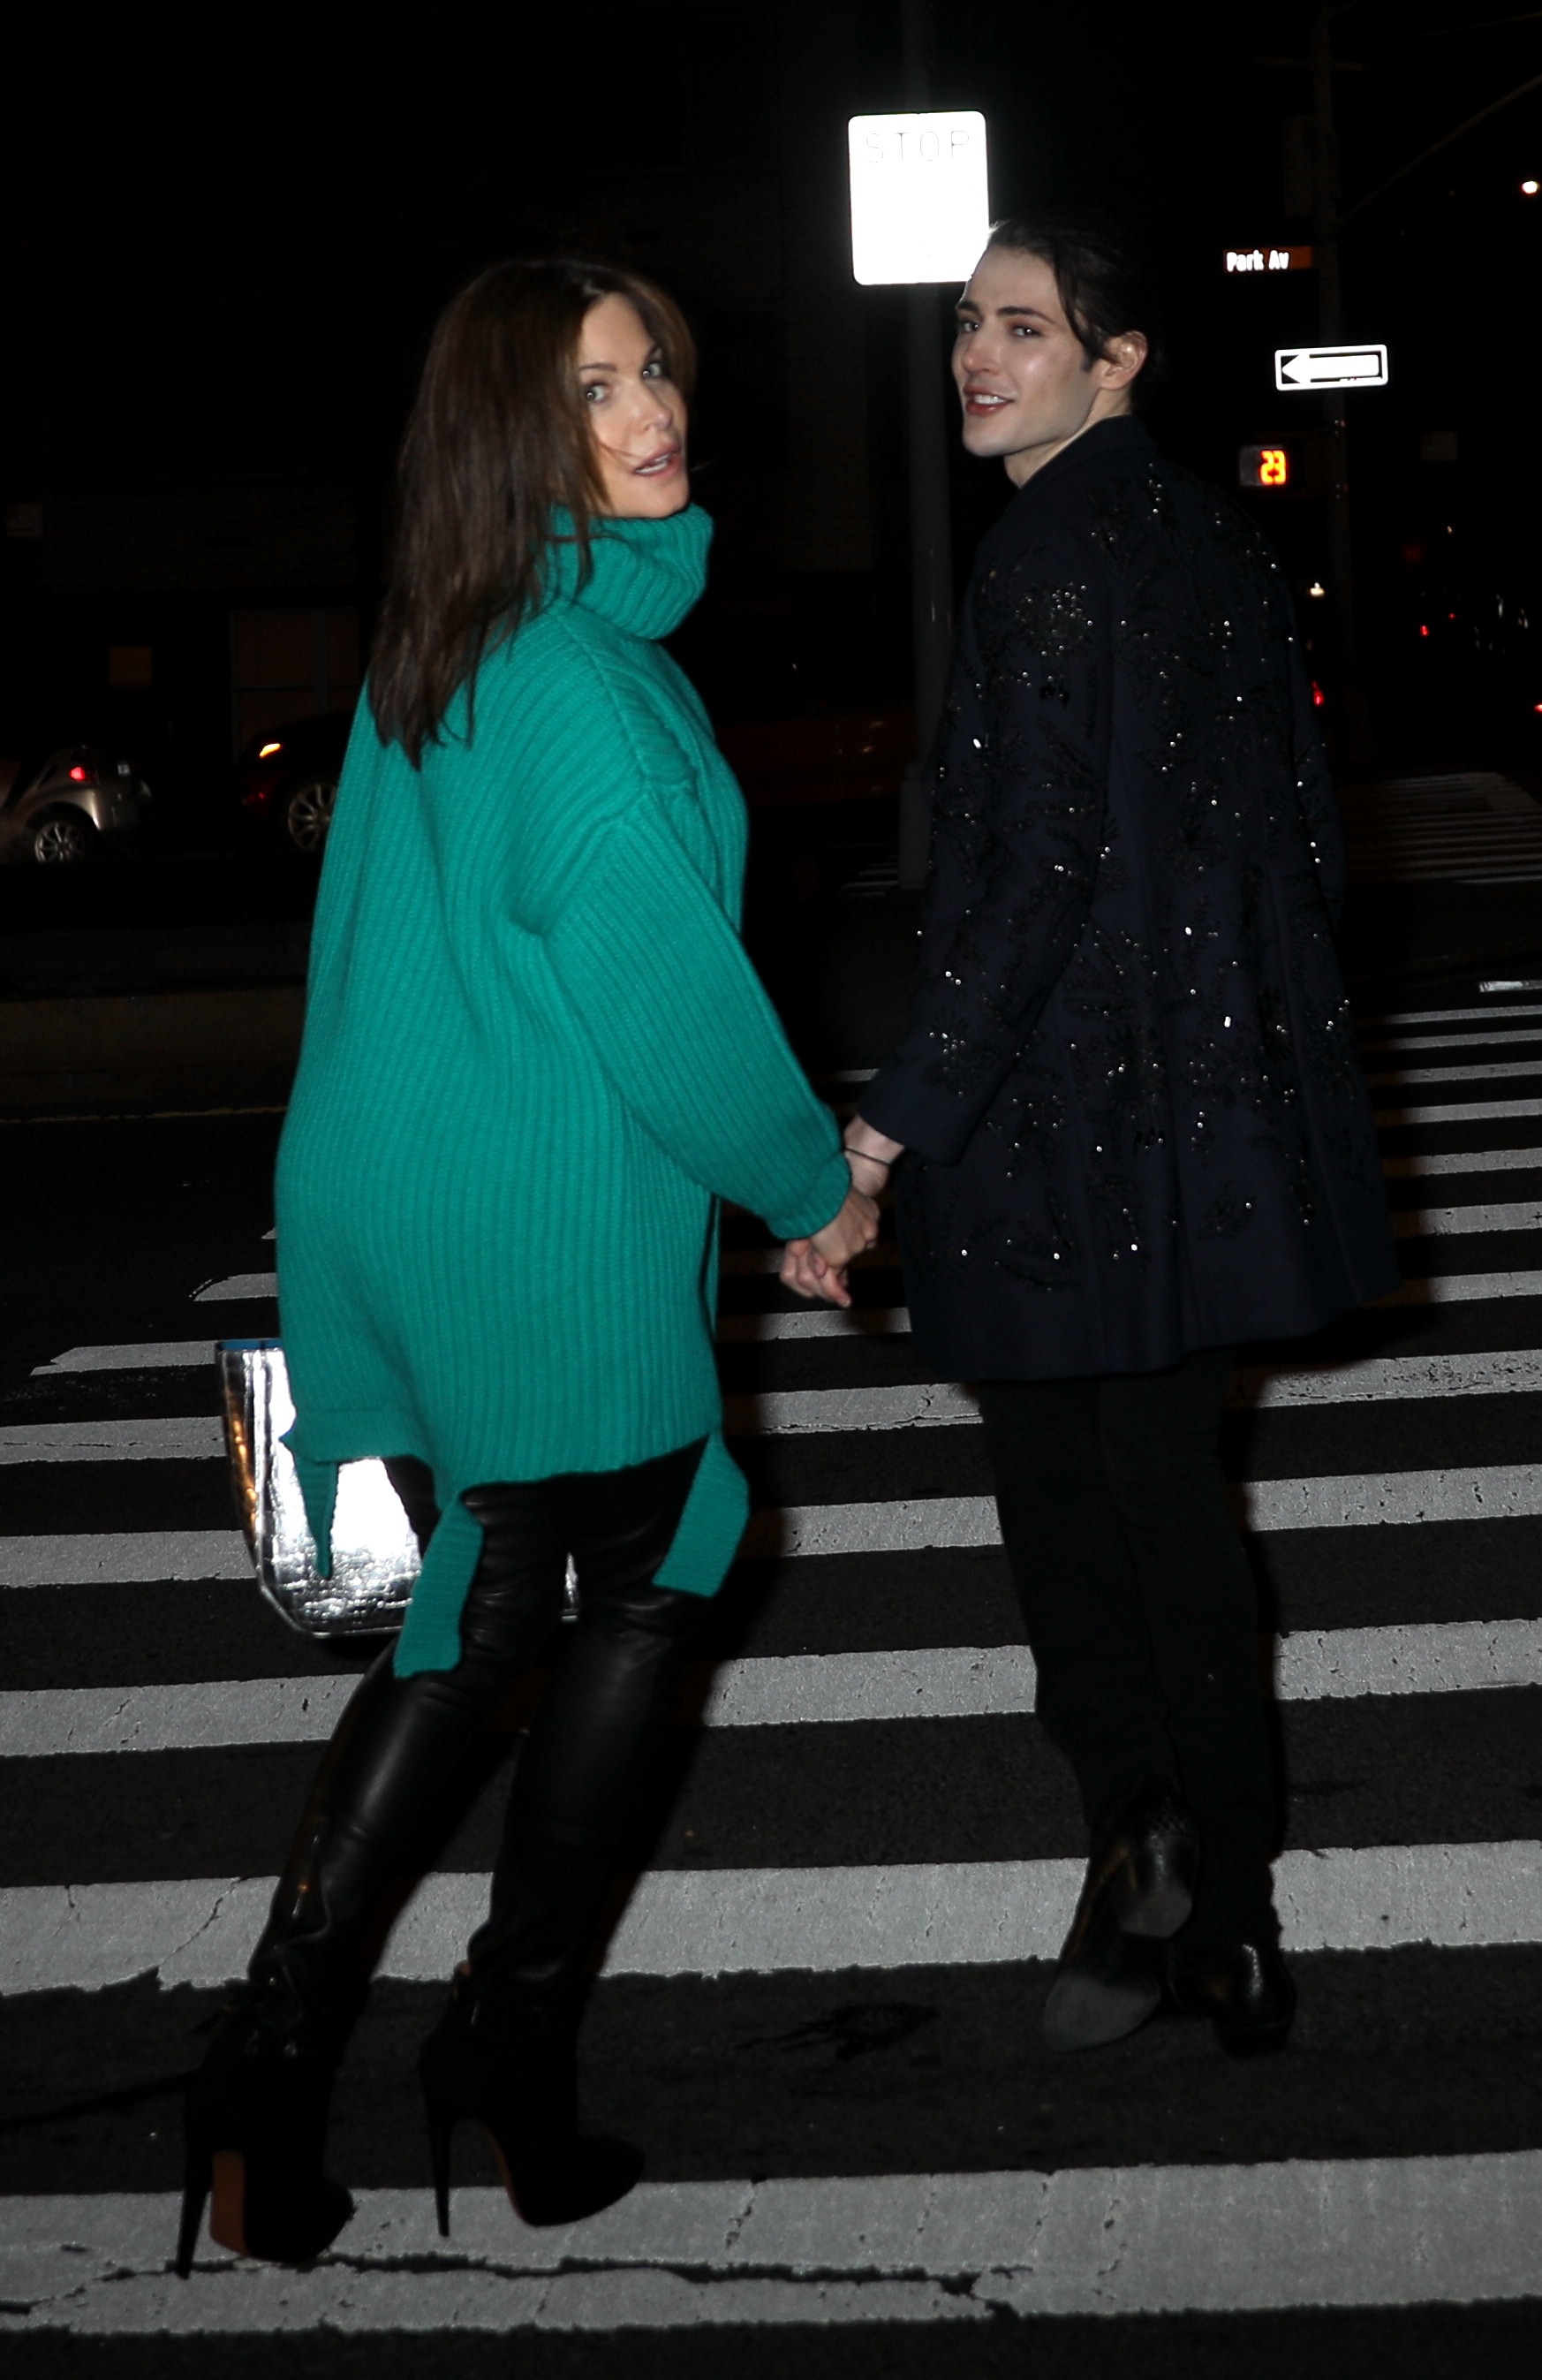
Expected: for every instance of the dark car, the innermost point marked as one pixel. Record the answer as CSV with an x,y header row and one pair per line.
x,y
81,801
286,779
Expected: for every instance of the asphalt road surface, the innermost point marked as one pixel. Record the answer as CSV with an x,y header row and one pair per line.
x,y
819,2007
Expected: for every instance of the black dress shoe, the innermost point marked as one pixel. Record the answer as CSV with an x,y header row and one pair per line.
x,y
1139,1890
1244,1987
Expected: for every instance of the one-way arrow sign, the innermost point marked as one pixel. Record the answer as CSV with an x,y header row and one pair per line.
x,y
1359,367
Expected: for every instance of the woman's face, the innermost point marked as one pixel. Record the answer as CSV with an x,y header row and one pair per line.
x,y
636,414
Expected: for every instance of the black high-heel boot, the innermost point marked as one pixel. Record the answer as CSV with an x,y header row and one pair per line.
x,y
257,2111
512,2070
256,2120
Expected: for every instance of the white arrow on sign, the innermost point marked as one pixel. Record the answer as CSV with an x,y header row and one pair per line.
x,y
1361,367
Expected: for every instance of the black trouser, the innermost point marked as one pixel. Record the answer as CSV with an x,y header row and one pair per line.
x,y
1140,1607
406,1752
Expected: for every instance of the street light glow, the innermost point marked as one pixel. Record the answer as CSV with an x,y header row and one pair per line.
x,y
1529,189
920,208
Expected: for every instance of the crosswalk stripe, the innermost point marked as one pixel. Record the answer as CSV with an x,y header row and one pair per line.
x,y
794,1690
189,1438
1461,1112
143,1355
928,1404
732,1921
1430,1043
1497,1012
124,1558
846,2249
1421,1223
1462,1161
939,1405
1502,1067
819,1322
1359,1500
235,1286
1460,1288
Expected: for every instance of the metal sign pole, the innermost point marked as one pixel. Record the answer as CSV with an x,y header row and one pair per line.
x,y
931,523
920,217
930,567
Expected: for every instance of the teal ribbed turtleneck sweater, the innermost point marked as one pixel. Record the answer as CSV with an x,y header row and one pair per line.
x,y
534,1055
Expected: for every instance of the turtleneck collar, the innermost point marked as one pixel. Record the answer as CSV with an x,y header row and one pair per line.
x,y
647,574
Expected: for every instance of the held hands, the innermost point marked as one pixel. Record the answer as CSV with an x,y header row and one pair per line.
x,y
816,1266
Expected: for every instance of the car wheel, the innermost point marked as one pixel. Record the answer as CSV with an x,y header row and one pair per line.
x,y
63,839
308,812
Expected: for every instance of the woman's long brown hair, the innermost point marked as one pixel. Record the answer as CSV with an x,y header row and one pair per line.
x,y
498,438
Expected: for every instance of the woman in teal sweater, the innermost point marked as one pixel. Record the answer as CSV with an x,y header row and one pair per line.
x,y
536,1058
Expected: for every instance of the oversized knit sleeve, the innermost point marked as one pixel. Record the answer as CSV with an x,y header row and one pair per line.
x,y
655,972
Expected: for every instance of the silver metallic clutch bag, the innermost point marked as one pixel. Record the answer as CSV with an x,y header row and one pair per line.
x,y
375,1557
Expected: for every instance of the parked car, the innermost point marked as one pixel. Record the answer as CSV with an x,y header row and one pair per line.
x,y
82,800
286,779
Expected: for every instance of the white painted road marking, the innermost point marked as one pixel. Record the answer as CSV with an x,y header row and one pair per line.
x,y
847,2249
932,1404
1460,1288
124,1558
193,1437
1429,1043
1422,1223
793,1690
238,1285
1495,1014
1356,1499
819,1322
1504,1491
1502,1067
736,1921
150,1354
1462,1111
1463,1161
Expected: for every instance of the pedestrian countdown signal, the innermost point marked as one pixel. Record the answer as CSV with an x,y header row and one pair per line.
x,y
1264,466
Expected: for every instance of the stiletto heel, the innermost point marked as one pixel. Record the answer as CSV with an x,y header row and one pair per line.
x,y
195,2197
440,2129
513,2073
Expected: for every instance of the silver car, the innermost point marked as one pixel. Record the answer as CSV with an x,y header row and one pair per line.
x,y
82,800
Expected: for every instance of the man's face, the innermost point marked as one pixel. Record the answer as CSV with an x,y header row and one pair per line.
x,y
1023,376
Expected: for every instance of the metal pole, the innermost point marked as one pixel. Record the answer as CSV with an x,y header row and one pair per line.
x,y
931,523
1325,245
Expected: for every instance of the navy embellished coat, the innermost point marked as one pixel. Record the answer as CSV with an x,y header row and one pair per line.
x,y
1129,1083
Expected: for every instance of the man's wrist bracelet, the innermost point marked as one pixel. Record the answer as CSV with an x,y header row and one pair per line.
x,y
846,1151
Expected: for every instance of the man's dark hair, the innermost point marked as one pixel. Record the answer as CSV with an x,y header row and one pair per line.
x,y
1103,283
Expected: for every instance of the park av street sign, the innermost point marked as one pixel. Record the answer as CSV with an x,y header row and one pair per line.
x,y
1362,366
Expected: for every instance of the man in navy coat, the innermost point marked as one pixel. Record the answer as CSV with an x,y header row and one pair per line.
x,y
1132,1123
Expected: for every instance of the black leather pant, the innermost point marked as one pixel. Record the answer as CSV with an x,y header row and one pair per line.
x,y
1140,1608
398,1770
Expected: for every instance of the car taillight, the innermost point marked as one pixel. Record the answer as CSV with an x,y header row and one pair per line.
x,y
1319,698
78,776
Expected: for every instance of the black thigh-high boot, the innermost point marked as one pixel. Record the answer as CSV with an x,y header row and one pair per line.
x,y
391,1780
504,2052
